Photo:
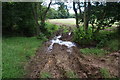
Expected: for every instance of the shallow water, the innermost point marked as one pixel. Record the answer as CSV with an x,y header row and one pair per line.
x,y
57,40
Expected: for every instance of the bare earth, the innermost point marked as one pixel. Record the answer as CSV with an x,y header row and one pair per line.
x,y
59,62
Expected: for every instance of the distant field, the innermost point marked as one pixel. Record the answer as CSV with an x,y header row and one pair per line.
x,y
68,21
71,22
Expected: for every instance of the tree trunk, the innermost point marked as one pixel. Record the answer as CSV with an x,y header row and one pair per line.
x,y
43,18
76,15
35,15
86,15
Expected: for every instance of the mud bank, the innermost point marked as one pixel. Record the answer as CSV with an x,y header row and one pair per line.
x,y
59,63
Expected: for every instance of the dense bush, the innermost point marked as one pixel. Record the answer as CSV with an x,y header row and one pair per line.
x,y
102,39
17,18
81,37
113,45
50,29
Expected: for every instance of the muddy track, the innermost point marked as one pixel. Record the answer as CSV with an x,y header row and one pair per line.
x,y
60,63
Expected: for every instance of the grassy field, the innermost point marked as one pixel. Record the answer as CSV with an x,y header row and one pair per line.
x,y
72,21
16,51
69,21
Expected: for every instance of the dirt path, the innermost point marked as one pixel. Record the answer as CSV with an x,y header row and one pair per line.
x,y
61,63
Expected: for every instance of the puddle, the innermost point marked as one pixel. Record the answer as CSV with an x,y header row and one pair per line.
x,y
57,40
69,33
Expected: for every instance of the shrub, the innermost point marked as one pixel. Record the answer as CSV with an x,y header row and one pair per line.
x,y
42,36
103,37
81,37
113,45
51,28
65,29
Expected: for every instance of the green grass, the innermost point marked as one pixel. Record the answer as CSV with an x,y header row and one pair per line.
x,y
70,74
94,51
16,51
45,75
105,73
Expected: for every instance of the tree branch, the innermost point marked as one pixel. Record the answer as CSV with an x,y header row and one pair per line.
x,y
47,9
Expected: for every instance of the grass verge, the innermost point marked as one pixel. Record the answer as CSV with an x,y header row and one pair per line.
x,y
70,74
104,72
94,51
16,51
45,75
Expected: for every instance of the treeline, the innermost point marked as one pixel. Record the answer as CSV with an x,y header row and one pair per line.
x,y
17,18
28,19
96,17
98,14
57,14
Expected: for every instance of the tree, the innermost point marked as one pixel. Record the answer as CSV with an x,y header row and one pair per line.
x,y
98,14
104,15
86,15
17,18
52,14
76,14
62,10
40,13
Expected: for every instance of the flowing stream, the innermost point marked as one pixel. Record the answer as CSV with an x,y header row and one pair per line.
x,y
57,40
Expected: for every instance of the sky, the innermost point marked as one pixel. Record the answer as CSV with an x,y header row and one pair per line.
x,y
69,5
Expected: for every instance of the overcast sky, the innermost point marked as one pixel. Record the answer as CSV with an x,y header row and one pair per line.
x,y
69,5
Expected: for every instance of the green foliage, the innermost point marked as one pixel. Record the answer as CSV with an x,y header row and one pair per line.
x,y
52,14
113,45
70,74
65,29
104,72
18,18
45,75
83,37
16,51
103,37
93,51
104,15
51,28
62,10
42,36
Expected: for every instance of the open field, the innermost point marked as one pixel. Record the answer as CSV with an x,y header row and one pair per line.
x,y
64,22
71,22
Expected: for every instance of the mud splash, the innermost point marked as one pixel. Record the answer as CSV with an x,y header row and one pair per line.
x,y
57,40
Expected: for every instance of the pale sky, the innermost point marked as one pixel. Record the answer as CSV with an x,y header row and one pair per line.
x,y
69,5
